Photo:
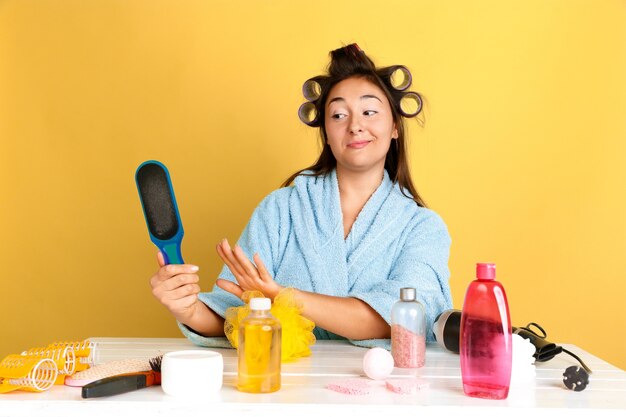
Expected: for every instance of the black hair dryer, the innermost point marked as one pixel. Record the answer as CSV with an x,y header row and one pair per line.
x,y
447,331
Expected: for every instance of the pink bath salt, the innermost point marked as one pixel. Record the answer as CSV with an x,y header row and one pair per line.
x,y
406,385
352,386
408,349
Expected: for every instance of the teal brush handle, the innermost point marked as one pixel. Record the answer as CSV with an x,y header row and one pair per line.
x,y
172,254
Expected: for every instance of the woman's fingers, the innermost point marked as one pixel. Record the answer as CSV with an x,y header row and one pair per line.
x,y
250,269
160,259
224,251
168,271
179,281
176,287
188,301
263,272
249,275
179,293
229,286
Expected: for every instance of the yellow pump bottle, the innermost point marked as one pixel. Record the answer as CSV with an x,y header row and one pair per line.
x,y
259,349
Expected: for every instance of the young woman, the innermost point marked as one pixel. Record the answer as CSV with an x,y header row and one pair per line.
x,y
346,233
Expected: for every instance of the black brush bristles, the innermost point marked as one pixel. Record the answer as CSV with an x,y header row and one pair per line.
x,y
158,201
155,363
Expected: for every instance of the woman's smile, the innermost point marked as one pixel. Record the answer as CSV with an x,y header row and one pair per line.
x,y
358,144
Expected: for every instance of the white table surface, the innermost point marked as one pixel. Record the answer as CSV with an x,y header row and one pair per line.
x,y
304,392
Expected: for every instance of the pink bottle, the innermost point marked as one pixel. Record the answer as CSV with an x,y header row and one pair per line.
x,y
486,341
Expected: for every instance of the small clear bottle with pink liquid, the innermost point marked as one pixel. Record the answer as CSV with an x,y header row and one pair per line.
x,y
486,343
408,330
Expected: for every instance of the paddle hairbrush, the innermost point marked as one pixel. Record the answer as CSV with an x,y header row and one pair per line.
x,y
160,209
120,384
108,369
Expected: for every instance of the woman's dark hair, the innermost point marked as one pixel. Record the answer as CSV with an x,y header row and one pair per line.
x,y
348,62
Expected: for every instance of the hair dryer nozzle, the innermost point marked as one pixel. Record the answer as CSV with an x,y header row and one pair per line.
x,y
447,329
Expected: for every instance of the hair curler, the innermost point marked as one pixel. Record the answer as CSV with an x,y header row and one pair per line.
x,y
399,76
312,88
308,114
160,209
63,356
410,104
28,373
84,352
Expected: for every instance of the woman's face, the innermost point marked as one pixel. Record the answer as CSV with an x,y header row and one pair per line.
x,y
359,125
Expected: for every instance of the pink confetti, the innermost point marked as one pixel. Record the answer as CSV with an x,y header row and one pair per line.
x,y
353,386
406,385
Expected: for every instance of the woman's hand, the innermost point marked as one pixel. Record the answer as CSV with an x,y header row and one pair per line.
x,y
249,276
176,287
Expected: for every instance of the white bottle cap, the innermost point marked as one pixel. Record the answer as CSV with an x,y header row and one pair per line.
x,y
407,294
260,304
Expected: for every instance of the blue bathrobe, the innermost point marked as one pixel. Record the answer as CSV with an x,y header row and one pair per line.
x,y
298,233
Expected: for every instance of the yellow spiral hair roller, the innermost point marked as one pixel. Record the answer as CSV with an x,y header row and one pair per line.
x,y
63,356
83,351
297,331
28,373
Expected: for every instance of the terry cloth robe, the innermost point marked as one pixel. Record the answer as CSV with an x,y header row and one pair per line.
x,y
394,243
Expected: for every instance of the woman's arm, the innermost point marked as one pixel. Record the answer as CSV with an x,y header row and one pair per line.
x,y
205,321
348,317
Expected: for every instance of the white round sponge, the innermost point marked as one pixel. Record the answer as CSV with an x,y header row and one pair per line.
x,y
377,363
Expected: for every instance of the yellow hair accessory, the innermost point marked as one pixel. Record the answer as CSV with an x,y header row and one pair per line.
x,y
297,331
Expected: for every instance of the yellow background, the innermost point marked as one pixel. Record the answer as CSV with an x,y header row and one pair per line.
x,y
523,151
